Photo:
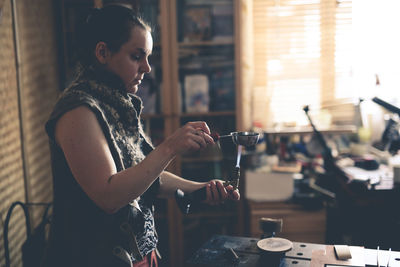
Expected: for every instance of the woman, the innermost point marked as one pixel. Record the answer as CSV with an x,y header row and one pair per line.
x,y
106,172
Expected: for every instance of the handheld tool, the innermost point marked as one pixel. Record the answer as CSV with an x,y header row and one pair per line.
x,y
241,139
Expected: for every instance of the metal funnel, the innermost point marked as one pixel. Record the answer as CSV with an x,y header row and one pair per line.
x,y
245,139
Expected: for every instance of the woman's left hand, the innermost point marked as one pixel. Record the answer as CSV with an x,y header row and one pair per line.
x,y
217,193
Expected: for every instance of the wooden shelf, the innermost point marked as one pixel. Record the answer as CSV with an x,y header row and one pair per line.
x,y
209,114
206,58
340,129
205,43
171,67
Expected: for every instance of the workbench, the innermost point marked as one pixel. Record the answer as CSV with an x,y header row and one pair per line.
x,y
218,252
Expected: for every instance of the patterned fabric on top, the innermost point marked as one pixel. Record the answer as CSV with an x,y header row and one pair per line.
x,y
118,114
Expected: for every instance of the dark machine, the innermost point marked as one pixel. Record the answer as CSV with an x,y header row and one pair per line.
x,y
359,213
390,140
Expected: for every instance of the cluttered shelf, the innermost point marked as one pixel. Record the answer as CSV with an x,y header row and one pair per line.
x,y
206,58
334,129
208,114
354,180
205,43
147,116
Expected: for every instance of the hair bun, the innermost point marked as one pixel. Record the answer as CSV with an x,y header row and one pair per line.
x,y
93,12
111,24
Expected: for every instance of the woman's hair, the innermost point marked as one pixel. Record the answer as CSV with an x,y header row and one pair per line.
x,y
112,25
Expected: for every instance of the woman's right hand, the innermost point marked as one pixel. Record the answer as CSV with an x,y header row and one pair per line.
x,y
190,137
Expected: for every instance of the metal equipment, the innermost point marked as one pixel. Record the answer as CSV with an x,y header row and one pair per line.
x,y
240,139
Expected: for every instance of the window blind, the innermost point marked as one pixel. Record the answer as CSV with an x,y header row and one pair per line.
x,y
376,49
300,57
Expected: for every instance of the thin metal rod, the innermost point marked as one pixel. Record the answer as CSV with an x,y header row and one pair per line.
x,y
18,64
224,136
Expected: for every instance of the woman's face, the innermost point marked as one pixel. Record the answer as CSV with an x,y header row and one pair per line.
x,y
131,62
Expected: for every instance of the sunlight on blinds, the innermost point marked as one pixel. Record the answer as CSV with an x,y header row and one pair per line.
x,y
377,49
288,60
322,52
344,87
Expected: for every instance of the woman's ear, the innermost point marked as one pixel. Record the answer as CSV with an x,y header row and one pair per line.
x,y
102,52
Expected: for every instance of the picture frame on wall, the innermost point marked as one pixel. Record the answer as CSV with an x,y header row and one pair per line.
x,y
222,23
197,23
196,93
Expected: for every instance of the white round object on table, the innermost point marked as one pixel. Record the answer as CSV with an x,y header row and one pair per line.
x,y
275,244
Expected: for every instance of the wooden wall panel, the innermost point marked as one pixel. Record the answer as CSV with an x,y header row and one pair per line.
x,y
39,86
23,140
11,171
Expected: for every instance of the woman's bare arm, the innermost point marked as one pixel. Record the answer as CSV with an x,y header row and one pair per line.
x,y
80,137
216,191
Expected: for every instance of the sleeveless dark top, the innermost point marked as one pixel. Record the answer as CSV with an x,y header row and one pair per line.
x,y
81,233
